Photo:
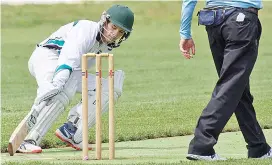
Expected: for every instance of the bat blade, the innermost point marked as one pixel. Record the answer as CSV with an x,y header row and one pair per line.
x,y
18,136
21,131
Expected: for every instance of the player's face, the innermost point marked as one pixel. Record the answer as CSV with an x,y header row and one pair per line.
x,y
112,32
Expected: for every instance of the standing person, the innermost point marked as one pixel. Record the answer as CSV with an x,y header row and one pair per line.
x,y
234,31
56,66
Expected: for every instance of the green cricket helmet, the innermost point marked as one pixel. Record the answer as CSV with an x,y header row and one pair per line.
x,y
122,17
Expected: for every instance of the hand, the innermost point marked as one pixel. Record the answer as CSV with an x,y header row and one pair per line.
x,y
187,46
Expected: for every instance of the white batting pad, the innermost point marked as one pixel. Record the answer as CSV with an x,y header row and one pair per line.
x,y
45,120
75,114
54,107
119,77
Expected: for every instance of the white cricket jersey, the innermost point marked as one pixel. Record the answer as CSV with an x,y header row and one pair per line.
x,y
73,40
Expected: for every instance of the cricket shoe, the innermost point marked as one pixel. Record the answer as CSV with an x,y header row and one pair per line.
x,y
268,155
66,133
29,147
214,157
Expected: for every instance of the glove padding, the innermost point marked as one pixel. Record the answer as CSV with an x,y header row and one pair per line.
x,y
50,89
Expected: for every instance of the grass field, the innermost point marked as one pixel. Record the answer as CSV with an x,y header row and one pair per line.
x,y
170,150
164,94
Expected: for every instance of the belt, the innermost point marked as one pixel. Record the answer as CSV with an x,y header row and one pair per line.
x,y
251,9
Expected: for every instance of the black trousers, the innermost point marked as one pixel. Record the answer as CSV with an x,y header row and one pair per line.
x,y
234,46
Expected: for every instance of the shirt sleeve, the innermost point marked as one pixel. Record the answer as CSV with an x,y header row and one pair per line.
x,y
78,42
188,7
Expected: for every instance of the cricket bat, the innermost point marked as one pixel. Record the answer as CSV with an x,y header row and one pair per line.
x,y
18,136
21,131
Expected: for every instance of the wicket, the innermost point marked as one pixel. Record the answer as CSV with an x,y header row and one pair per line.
x,y
98,105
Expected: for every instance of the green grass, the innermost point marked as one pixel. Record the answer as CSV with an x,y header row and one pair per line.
x,y
241,162
163,93
153,151
229,162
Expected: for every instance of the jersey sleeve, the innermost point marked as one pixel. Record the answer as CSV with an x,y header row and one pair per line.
x,y
188,7
78,41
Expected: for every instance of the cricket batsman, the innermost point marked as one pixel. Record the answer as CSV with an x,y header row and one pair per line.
x,y
56,66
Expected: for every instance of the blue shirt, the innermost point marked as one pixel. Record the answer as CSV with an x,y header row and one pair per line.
x,y
188,7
